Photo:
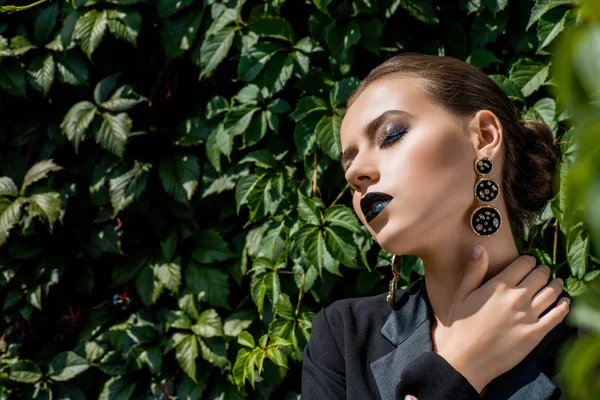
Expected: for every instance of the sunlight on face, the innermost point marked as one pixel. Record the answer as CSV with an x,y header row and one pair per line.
x,y
397,141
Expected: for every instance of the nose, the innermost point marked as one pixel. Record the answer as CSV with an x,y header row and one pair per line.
x,y
362,173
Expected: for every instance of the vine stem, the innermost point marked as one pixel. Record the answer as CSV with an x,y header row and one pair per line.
x,y
300,294
555,241
339,196
314,185
12,9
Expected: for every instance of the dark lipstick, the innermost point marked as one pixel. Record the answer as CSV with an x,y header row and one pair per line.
x,y
373,203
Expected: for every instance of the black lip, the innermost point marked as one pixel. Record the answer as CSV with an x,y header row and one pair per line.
x,y
370,200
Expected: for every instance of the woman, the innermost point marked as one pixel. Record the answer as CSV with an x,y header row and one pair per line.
x,y
441,168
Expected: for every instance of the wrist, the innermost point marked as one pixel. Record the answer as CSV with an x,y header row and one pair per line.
x,y
467,369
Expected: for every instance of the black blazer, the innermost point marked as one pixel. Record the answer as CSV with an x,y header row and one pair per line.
x,y
362,349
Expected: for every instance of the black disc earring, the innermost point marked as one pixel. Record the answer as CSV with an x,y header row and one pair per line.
x,y
486,220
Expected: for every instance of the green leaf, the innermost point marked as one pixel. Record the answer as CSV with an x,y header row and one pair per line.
x,y
277,357
273,244
423,10
125,188
254,60
125,24
245,186
178,319
208,324
47,206
529,75
34,297
487,28
104,240
273,27
328,136
552,24
209,247
72,68
90,29
123,99
214,49
25,372
76,122
211,283
340,245
179,176
245,339
342,90
45,23
12,78
284,307
10,215
260,158
66,366
190,390
512,90
307,105
577,255
541,7
118,388
105,87
186,353
41,73
307,210
113,132
167,8
317,253
257,129
342,216
8,187
482,58
169,275
39,171
178,34
265,284
168,246
278,71
238,321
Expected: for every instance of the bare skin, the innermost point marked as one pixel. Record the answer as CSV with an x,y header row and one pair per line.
x,y
429,172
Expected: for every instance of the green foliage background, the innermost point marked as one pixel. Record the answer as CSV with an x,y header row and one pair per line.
x,y
172,209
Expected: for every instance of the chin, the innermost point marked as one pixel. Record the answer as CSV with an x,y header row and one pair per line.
x,y
389,235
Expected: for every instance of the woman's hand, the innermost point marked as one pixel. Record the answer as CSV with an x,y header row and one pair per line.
x,y
493,327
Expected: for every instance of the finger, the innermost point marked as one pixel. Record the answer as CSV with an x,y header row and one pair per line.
x,y
409,397
553,317
547,296
517,270
474,273
535,280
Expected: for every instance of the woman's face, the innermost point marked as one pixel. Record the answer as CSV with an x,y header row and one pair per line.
x,y
397,141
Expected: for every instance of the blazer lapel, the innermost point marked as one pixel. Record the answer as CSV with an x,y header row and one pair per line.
x,y
408,328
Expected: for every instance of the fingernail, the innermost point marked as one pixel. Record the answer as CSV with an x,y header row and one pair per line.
x,y
560,281
477,250
567,300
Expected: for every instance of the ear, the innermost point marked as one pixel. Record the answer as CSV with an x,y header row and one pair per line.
x,y
486,134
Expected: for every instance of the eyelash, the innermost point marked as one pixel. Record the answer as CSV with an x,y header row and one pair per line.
x,y
393,137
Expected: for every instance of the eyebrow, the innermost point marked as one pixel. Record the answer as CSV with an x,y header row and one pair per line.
x,y
370,131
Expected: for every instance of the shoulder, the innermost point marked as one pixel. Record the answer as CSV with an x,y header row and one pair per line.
x,y
355,316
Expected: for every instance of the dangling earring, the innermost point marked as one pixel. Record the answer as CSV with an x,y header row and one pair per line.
x,y
391,297
486,219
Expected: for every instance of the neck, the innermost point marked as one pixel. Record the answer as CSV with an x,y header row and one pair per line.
x,y
446,263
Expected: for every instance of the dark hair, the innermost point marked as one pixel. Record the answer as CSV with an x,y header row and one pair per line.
x,y
531,155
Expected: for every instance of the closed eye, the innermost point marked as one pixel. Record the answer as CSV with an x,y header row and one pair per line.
x,y
395,134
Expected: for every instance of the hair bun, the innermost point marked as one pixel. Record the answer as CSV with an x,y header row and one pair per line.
x,y
536,180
